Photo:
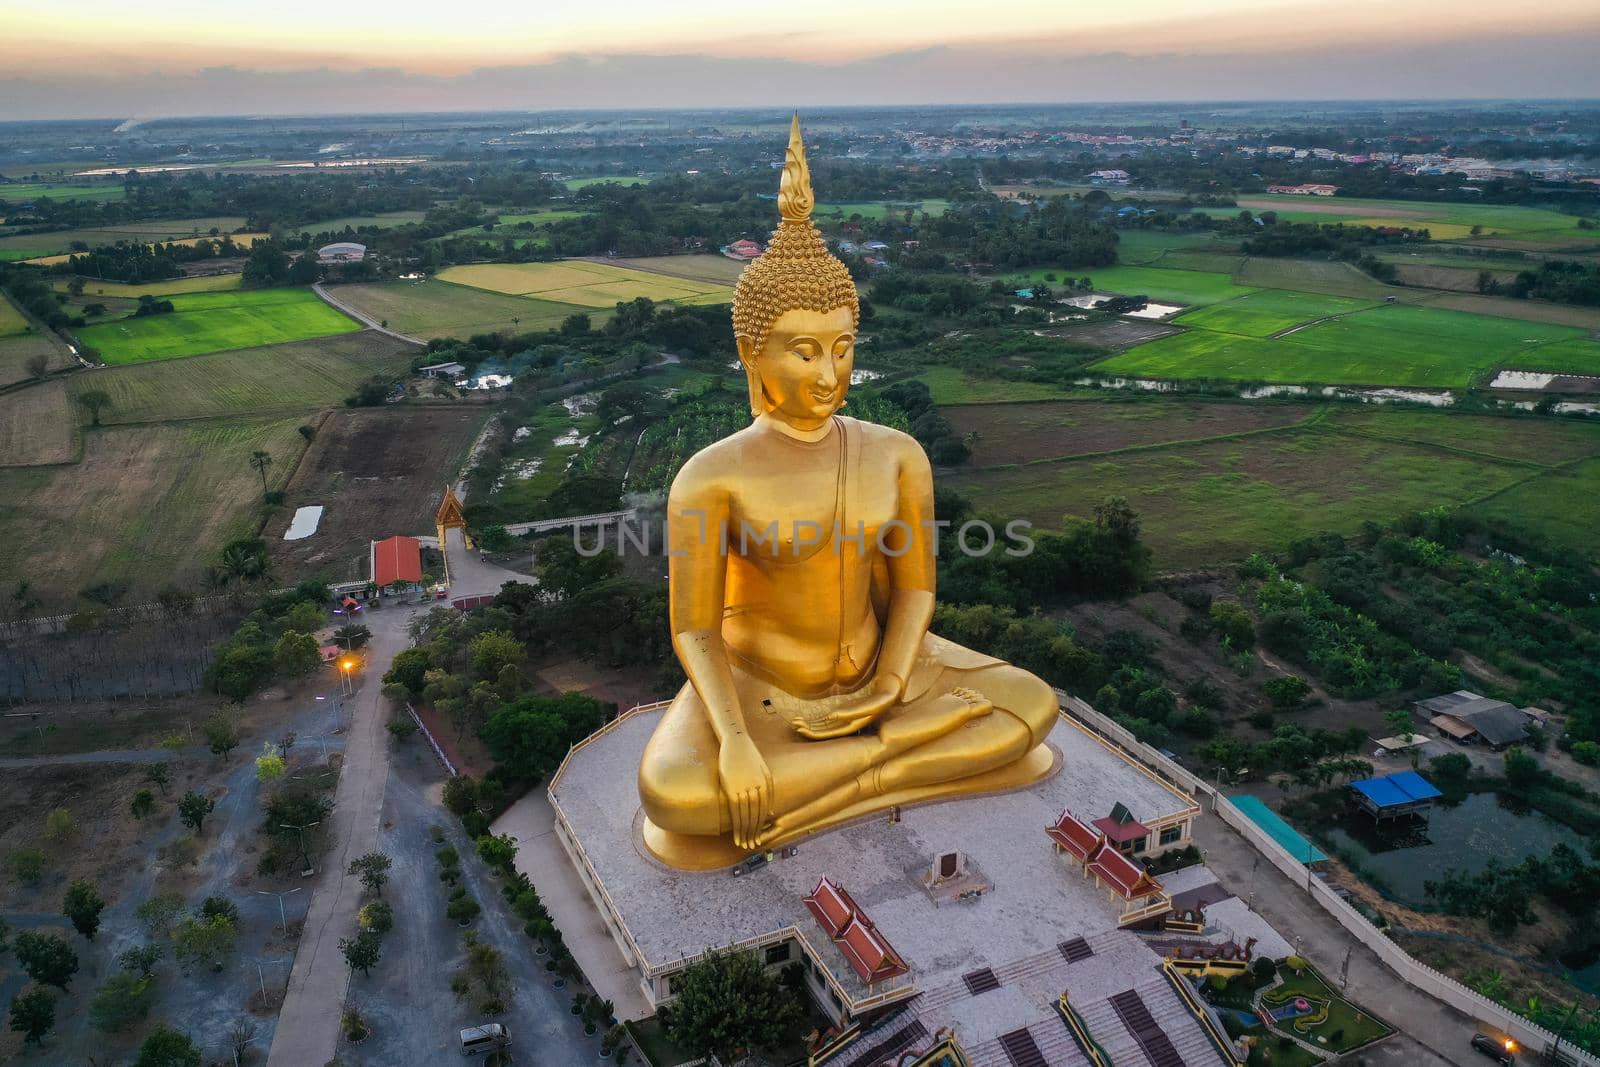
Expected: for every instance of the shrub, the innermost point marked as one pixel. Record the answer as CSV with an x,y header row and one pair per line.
x,y
463,910
1232,623
1286,691
1586,753
447,857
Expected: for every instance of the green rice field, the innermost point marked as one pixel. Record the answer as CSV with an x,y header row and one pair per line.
x,y
1158,283
1391,346
1264,313
217,322
21,192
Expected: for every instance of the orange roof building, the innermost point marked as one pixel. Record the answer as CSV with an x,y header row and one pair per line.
x,y
860,942
1088,843
396,559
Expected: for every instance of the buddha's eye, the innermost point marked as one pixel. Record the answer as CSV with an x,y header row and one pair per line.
x,y
842,346
806,350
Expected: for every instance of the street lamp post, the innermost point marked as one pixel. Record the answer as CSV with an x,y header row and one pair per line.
x,y
304,854
283,916
261,976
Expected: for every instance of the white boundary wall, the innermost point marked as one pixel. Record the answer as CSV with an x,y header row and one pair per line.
x,y
1533,1038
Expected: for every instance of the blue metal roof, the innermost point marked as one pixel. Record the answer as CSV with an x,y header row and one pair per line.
x,y
1394,790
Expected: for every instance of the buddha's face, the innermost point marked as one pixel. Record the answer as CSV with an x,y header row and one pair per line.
x,y
804,365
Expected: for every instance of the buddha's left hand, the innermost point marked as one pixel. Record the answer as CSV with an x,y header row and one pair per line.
x,y
857,710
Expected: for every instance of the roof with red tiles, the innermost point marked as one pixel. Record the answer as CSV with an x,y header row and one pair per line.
x,y
869,953
1122,832
1130,880
831,906
1074,835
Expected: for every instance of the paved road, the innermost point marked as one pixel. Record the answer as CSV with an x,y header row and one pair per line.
x,y
1317,936
362,317
308,1025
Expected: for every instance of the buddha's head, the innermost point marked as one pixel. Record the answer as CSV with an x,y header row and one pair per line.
x,y
795,311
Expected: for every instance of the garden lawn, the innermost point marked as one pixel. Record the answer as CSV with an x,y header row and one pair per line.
x,y
1357,1026
1387,346
217,322
596,285
1270,311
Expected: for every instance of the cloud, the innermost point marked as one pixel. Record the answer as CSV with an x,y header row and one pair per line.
x,y
1547,66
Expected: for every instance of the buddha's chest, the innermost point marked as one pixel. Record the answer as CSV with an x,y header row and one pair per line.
x,y
784,510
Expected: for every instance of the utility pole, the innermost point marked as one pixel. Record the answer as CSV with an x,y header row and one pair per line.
x,y
261,976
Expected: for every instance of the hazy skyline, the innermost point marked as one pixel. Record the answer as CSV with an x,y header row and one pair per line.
x,y
188,57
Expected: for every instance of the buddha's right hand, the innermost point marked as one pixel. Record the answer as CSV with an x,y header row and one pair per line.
x,y
747,784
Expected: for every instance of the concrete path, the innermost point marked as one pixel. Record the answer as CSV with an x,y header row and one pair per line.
x,y
1320,939
308,1025
471,575
362,317
540,856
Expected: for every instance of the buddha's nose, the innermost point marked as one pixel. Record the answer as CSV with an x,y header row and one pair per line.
x,y
828,378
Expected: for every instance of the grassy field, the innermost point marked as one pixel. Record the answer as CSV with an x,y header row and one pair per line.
x,y
217,322
582,283
1267,312
12,321
60,242
209,283
1143,247
382,220
1444,221
1397,345
36,426
1313,276
1170,286
18,349
147,507
583,183
21,192
1541,441
1561,505
948,385
300,376
717,270
1581,356
431,309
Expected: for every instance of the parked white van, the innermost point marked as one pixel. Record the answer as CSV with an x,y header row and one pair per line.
x,y
476,1040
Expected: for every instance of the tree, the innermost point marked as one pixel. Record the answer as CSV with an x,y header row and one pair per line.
x,y
493,650
33,1014
166,1047
193,809
410,669
46,958
26,864
1286,691
159,913
377,916
94,401
1401,721
83,906
727,1002
531,735
140,960
240,1034
59,826
122,1000
259,462
373,869
296,654
269,765
222,734
362,952
1521,769
158,774
38,365
204,940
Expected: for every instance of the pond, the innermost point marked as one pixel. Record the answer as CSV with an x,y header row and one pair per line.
x,y
1466,836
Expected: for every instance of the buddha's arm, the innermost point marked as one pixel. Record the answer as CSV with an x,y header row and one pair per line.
x,y
912,568
697,513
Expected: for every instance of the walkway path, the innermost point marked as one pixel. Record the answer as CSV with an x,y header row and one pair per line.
x,y
540,856
362,317
1324,942
308,1025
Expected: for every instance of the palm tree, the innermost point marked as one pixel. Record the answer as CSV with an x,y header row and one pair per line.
x,y
240,563
261,461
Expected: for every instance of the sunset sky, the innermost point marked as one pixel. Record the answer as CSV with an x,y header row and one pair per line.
x,y
103,59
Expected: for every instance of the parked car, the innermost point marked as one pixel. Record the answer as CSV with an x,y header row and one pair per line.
x,y
488,1037
1501,1051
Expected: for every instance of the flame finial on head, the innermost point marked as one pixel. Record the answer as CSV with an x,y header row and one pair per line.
x,y
795,199
797,272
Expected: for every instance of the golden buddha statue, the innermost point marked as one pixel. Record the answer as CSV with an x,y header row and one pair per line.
x,y
801,554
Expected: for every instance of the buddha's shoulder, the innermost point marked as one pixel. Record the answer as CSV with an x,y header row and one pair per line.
x,y
714,463
887,439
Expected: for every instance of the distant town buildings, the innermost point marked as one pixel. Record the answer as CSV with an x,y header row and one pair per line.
x,y
742,250
1308,189
1109,177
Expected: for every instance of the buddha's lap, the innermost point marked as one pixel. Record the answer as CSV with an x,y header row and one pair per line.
x,y
679,781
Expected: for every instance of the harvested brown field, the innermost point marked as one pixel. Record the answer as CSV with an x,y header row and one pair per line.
x,y
376,472
1527,310
1455,279
36,425
17,349
1006,434
703,268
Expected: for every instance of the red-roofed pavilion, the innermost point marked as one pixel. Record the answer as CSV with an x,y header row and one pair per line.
x,y
396,559
869,952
